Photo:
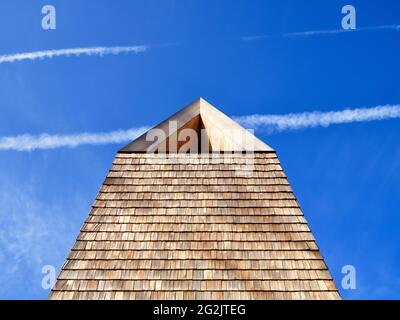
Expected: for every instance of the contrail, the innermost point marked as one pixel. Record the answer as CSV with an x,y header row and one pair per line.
x,y
394,27
293,121
269,123
27,142
90,51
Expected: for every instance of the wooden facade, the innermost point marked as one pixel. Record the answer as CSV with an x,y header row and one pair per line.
x,y
195,226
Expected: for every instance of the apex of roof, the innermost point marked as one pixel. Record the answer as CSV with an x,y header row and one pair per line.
x,y
214,131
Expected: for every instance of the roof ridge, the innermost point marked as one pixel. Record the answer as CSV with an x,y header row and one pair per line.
x,y
211,130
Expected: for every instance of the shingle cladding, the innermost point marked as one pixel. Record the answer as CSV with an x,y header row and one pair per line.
x,y
195,227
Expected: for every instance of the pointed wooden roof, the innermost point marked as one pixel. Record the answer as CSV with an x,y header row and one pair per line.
x,y
193,226
220,132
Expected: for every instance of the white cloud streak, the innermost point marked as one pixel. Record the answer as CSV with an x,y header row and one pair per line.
x,y
269,123
295,121
27,142
394,27
91,51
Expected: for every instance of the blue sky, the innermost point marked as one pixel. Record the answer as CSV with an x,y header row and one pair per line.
x,y
346,177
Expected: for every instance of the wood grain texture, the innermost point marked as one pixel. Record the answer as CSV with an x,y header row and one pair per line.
x,y
191,227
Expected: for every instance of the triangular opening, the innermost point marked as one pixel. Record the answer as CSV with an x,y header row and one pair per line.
x,y
197,128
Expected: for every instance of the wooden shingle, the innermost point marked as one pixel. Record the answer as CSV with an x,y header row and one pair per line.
x,y
190,226
200,241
